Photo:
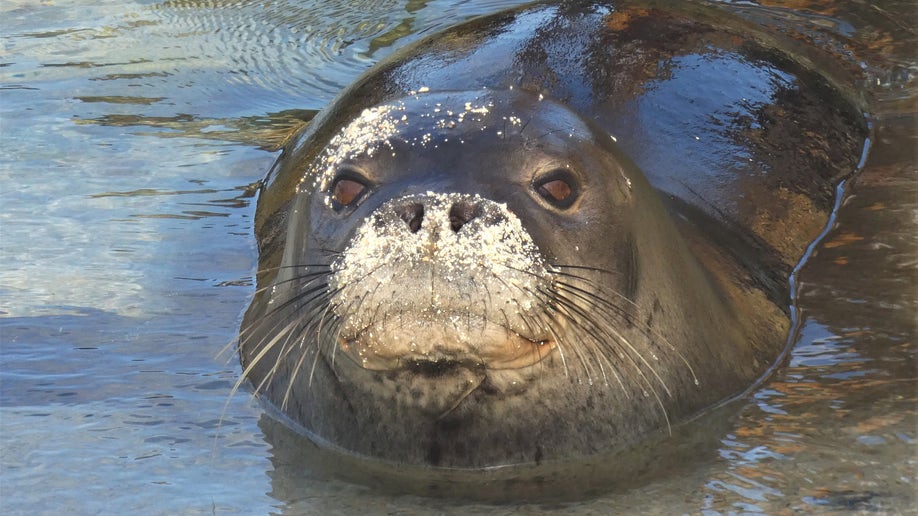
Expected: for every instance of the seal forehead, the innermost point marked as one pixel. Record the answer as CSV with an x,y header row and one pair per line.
x,y
426,120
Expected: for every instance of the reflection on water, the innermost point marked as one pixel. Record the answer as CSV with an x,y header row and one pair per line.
x,y
131,136
268,132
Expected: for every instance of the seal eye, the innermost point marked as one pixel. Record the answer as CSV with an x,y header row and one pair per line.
x,y
347,189
557,187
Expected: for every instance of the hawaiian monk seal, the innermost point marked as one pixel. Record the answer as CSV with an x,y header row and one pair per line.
x,y
542,234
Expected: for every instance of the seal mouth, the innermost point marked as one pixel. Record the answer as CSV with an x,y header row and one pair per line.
x,y
437,353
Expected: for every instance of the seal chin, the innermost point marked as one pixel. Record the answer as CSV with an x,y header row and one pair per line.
x,y
435,346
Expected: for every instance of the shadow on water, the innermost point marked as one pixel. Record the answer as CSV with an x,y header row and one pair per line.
x,y
128,151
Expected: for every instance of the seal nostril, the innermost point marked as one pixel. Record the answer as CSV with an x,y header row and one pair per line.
x,y
412,214
461,212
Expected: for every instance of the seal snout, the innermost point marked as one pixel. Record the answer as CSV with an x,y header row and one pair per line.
x,y
436,276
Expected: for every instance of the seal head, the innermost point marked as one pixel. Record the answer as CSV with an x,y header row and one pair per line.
x,y
446,287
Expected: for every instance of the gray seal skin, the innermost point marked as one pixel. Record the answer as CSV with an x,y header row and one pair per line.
x,y
543,234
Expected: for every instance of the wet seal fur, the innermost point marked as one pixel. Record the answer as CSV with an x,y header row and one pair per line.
x,y
535,237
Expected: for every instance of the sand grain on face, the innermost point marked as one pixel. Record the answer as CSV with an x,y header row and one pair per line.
x,y
425,123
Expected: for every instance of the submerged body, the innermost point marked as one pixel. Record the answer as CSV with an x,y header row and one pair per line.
x,y
544,234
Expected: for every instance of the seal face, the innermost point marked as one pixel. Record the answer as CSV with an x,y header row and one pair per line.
x,y
478,275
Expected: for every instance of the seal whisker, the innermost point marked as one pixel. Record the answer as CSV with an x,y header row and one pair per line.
x,y
522,310
299,363
525,125
306,330
285,348
589,334
472,388
351,307
591,298
561,345
332,343
629,356
558,268
259,356
615,336
547,295
562,307
606,303
269,318
591,282
308,277
245,330
296,369
294,266
527,320
331,252
296,303
266,318
641,326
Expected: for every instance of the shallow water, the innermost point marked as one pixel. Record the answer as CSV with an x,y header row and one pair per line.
x,y
131,136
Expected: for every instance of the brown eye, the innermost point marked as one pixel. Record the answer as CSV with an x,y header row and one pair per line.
x,y
346,191
559,188
348,187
